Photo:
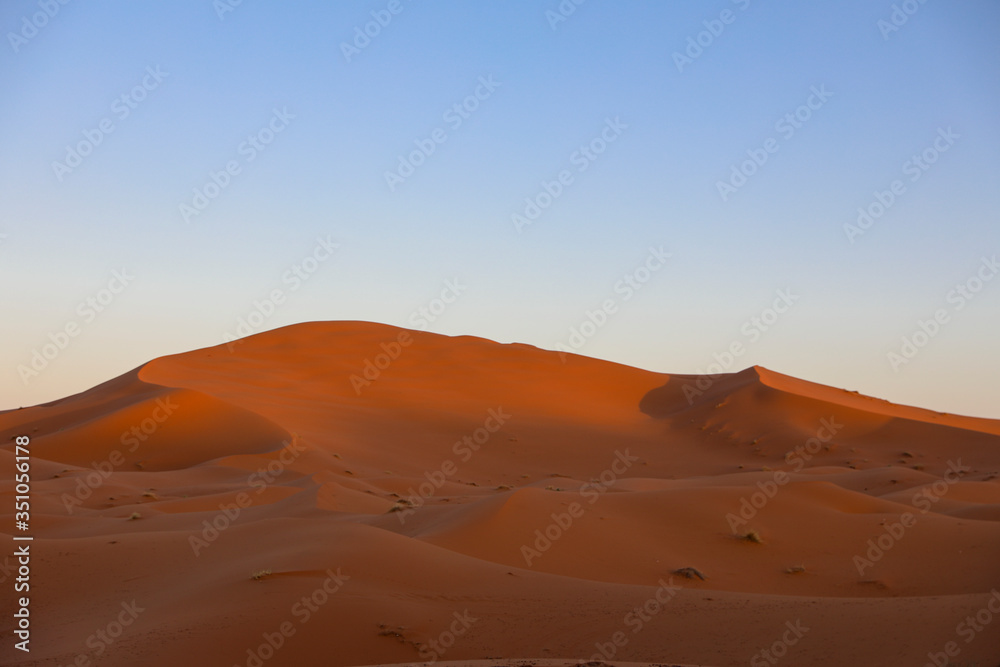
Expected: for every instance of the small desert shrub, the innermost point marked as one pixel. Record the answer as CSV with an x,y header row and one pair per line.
x,y
134,516
259,574
689,573
401,505
753,536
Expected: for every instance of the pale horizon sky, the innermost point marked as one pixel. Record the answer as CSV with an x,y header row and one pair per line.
x,y
118,118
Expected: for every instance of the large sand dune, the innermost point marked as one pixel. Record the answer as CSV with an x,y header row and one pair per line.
x,y
471,502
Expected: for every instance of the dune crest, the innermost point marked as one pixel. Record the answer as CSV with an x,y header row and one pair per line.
x,y
459,500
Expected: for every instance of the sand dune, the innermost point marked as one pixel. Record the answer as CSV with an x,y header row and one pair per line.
x,y
406,497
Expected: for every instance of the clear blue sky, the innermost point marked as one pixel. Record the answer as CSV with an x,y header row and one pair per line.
x,y
311,128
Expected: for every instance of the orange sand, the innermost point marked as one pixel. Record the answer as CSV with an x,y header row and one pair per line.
x,y
624,479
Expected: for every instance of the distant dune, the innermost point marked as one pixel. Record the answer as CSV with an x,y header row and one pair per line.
x,y
347,493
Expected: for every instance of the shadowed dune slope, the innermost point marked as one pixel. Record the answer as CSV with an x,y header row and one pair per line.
x,y
401,497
